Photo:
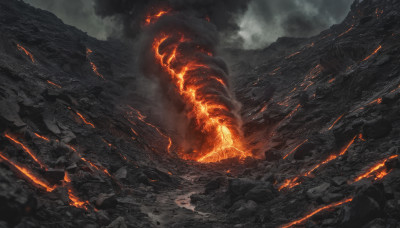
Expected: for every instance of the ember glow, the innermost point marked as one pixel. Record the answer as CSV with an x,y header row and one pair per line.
x,y
321,209
28,174
190,77
347,31
94,67
75,201
373,53
54,84
335,122
27,150
21,48
84,120
294,149
292,55
379,169
152,18
42,137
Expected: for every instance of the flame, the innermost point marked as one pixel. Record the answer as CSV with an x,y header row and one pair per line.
x,y
84,120
223,141
294,149
26,52
373,53
28,174
42,137
153,18
335,122
75,201
27,150
54,84
311,214
289,183
94,67
376,168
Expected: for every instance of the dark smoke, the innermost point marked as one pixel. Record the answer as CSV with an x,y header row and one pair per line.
x,y
222,13
267,20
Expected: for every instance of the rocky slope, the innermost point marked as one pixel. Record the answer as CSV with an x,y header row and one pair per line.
x,y
81,146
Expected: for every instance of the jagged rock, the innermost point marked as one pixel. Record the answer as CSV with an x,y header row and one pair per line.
x,y
318,191
260,193
246,209
338,181
377,129
240,186
214,184
106,201
272,155
118,223
54,176
376,223
121,173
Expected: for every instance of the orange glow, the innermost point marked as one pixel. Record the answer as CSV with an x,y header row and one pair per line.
x,y
274,71
75,201
54,84
332,80
97,167
94,67
361,137
105,141
324,208
84,120
26,52
153,18
28,174
373,53
335,122
378,12
376,101
223,139
294,54
42,137
290,183
378,167
134,132
294,149
27,150
347,31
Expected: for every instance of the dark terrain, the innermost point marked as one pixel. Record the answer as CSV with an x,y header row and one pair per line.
x,y
319,112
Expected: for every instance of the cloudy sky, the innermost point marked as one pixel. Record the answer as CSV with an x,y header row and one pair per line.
x,y
262,23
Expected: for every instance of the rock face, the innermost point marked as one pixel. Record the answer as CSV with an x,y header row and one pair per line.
x,y
322,113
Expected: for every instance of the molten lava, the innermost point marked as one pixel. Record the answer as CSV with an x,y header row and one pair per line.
x,y
27,150
42,137
28,174
373,53
347,31
379,169
191,78
94,67
26,52
294,149
54,84
75,201
152,18
324,208
84,120
294,54
335,122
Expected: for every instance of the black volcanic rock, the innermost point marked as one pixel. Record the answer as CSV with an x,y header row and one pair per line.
x,y
377,129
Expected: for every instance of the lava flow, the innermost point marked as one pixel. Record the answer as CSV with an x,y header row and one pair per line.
x,y
373,53
75,201
94,67
26,52
213,131
379,168
28,174
324,208
27,150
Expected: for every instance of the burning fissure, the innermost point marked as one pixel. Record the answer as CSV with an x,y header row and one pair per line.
x,y
197,83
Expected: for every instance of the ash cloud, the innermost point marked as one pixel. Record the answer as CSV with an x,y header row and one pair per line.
x,y
267,20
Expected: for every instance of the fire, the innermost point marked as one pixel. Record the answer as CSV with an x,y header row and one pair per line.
x,y
222,139
21,48
294,149
380,168
335,122
75,201
54,84
152,18
28,174
347,31
27,150
294,54
324,208
290,183
373,53
42,137
142,118
94,67
84,120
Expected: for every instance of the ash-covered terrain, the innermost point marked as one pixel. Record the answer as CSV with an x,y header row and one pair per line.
x,y
82,144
